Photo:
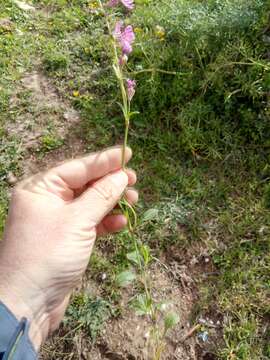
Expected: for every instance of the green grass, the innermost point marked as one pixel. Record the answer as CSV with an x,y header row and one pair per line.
x,y
200,143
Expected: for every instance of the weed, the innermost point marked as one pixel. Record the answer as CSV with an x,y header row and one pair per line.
x,y
50,142
88,314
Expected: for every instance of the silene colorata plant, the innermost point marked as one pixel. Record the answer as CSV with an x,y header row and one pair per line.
x,y
161,320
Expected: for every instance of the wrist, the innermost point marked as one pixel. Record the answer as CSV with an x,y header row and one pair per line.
x,y
23,301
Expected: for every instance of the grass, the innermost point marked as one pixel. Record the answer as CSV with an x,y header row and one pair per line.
x,y
204,147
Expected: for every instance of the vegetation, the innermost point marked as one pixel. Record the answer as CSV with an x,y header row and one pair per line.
x,y
200,143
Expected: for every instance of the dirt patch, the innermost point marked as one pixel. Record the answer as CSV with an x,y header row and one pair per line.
x,y
42,109
127,336
39,110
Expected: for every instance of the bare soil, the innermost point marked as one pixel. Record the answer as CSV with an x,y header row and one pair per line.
x,y
46,109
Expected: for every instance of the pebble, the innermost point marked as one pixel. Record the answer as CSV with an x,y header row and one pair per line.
x,y
203,336
11,178
103,276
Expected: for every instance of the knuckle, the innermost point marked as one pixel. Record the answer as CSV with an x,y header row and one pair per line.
x,y
106,192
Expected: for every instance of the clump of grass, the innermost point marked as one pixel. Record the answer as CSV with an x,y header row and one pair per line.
x,y
50,142
55,61
88,314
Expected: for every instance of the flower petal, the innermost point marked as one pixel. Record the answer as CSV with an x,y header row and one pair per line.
x,y
117,33
126,47
112,3
128,34
129,4
131,86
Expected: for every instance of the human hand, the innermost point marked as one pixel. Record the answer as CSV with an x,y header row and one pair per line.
x,y
52,225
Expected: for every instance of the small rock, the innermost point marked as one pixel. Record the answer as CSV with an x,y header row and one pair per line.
x,y
23,6
71,115
203,336
146,335
103,276
11,178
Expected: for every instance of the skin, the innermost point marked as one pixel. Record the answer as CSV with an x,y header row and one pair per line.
x,y
54,219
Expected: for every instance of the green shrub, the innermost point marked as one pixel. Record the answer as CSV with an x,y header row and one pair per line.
x,y
55,61
214,94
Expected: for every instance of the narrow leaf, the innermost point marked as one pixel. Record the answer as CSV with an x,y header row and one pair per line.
x,y
134,257
171,319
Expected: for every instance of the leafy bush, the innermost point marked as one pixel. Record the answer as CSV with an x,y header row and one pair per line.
x,y
214,80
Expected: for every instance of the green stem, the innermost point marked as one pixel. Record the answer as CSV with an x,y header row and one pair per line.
x,y
154,70
125,145
120,78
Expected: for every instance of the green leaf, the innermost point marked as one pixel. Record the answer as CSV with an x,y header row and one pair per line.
x,y
150,215
145,252
125,278
122,108
142,305
133,113
171,319
135,258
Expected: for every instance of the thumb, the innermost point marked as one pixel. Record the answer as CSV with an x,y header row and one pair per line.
x,y
101,197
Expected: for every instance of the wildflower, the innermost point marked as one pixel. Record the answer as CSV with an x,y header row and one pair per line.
x,y
129,4
138,30
118,30
160,32
125,37
76,93
131,86
93,5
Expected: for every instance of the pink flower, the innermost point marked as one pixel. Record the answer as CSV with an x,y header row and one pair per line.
x,y
125,37
129,4
117,33
131,86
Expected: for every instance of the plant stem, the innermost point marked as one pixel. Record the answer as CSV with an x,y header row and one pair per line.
x,y
119,76
124,205
125,145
